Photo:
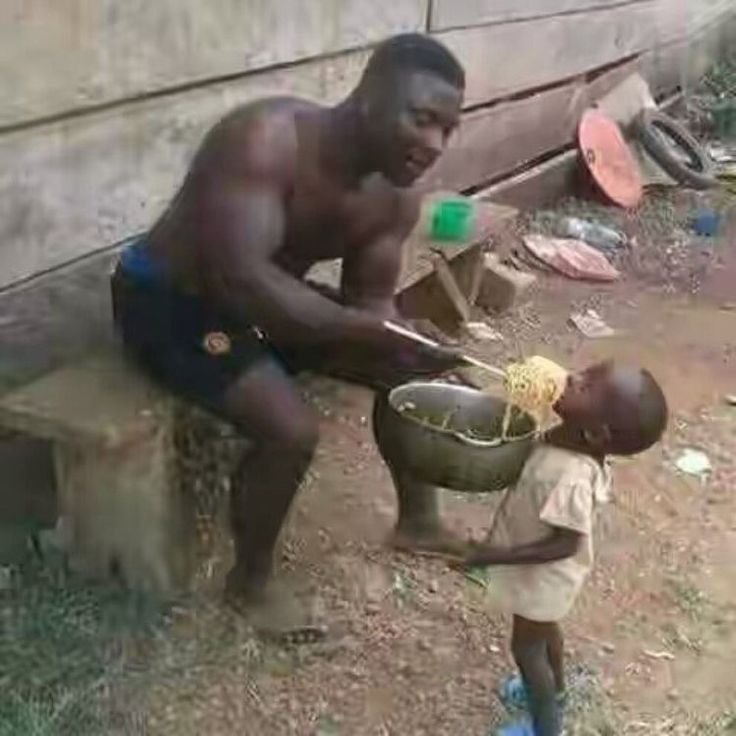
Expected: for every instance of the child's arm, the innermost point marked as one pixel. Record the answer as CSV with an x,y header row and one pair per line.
x,y
559,545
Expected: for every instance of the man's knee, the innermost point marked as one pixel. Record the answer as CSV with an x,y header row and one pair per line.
x,y
297,438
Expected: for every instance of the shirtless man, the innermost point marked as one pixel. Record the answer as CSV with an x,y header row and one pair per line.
x,y
213,301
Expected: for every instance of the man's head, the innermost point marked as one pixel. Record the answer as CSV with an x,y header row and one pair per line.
x,y
410,99
618,410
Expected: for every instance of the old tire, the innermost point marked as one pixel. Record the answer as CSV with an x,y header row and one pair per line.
x,y
674,149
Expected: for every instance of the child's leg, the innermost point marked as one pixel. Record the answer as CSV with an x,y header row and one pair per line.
x,y
530,647
555,649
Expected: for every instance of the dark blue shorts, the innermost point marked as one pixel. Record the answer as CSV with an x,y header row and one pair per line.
x,y
185,343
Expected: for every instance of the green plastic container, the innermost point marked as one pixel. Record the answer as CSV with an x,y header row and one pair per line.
x,y
452,220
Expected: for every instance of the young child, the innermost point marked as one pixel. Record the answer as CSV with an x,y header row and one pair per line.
x,y
541,543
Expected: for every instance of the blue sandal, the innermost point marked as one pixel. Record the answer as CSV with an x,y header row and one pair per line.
x,y
514,695
523,727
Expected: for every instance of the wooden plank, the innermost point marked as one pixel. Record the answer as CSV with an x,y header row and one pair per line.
x,y
72,187
454,295
447,14
502,60
539,186
493,141
492,220
60,55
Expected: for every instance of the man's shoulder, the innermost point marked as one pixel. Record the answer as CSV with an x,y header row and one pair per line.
x,y
258,138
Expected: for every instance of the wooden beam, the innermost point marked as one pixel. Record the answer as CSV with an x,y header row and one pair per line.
x,y
539,186
493,141
502,60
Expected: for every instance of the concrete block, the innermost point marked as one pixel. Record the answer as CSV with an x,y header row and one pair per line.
x,y
501,286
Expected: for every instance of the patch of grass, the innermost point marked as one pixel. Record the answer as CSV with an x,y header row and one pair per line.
x,y
720,79
689,598
673,637
403,589
721,724
589,710
61,656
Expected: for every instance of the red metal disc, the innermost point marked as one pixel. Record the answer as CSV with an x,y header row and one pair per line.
x,y
609,159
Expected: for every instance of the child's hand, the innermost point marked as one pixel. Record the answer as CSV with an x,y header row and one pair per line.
x,y
478,555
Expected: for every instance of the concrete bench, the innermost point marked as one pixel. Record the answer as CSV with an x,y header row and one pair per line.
x,y
125,477
132,478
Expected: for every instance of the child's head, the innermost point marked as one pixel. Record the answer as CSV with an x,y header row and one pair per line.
x,y
614,409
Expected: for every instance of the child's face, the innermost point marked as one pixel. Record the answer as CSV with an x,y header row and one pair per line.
x,y
585,397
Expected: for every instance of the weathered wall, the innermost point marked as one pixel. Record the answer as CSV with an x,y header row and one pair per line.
x,y
104,102
81,53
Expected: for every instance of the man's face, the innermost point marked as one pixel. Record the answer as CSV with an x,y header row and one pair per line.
x,y
411,123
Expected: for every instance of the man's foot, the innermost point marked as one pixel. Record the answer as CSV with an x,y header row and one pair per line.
x,y
274,610
429,542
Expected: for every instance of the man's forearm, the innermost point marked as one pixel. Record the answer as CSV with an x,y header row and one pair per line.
x,y
291,311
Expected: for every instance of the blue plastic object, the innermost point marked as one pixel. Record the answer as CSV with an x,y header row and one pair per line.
x,y
513,693
707,223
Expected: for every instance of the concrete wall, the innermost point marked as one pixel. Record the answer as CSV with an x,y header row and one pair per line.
x,y
104,101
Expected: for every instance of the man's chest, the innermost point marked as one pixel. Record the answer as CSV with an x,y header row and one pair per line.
x,y
325,222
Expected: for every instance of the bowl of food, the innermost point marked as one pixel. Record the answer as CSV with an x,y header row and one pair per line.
x,y
452,436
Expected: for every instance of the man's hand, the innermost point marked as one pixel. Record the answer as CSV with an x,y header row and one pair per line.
x,y
403,354
429,361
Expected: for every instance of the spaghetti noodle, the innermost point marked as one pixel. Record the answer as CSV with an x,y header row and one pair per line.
x,y
534,386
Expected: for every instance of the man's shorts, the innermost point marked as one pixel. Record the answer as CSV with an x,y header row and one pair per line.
x,y
185,343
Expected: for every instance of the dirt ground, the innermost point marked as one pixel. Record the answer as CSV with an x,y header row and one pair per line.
x,y
414,650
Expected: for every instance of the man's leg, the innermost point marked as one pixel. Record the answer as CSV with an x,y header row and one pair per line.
x,y
530,647
418,526
266,406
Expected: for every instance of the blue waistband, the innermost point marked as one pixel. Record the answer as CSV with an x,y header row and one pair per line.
x,y
138,263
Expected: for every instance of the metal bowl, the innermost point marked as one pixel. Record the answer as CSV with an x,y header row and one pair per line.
x,y
449,436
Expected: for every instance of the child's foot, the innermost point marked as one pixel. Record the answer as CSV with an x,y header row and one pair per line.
x,y
514,695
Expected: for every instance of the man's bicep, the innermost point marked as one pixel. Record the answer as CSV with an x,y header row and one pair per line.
x,y
370,276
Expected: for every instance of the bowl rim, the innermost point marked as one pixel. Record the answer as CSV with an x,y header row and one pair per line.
x,y
453,434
